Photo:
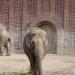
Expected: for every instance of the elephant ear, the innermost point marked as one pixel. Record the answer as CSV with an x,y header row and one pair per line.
x,y
27,42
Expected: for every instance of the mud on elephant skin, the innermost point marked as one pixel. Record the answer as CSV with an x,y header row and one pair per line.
x,y
5,40
35,45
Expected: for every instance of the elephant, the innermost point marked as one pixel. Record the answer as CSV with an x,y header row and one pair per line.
x,y
5,40
35,45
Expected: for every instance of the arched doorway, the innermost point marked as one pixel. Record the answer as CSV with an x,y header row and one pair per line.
x,y
51,24
51,35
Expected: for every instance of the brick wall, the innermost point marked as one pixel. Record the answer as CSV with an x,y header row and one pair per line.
x,y
17,14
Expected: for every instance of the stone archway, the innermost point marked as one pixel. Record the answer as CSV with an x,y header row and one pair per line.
x,y
51,35
51,24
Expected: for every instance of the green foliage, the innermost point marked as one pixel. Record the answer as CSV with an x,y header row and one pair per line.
x,y
17,73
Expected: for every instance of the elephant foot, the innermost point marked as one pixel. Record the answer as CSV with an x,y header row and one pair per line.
x,y
7,55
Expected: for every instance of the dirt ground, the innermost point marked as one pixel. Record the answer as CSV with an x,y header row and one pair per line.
x,y
52,64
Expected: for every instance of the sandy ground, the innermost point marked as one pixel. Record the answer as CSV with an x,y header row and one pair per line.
x,y
52,64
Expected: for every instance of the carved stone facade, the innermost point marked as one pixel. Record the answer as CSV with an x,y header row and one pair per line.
x,y
57,17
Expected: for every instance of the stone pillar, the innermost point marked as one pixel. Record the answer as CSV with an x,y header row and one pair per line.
x,y
18,25
11,23
52,10
60,41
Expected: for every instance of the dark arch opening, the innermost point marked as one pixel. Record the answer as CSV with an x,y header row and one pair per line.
x,y
51,35
42,23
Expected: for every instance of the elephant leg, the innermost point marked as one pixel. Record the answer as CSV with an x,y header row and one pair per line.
x,y
7,46
32,59
37,69
1,53
32,63
33,66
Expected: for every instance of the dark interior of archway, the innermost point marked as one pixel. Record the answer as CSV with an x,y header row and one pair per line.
x,y
51,25
51,35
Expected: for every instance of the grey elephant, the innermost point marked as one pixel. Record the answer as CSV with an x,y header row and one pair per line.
x,y
35,45
5,40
